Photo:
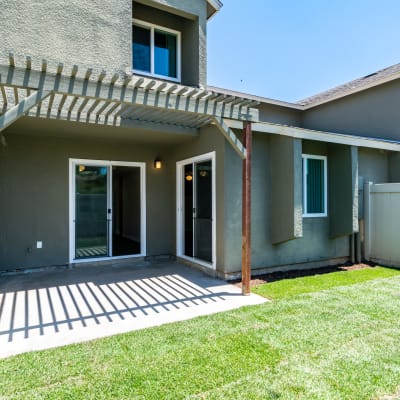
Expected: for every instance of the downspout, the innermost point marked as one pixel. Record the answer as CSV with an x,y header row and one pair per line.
x,y
352,249
358,248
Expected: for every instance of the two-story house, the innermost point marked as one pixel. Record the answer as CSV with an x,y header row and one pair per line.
x,y
113,146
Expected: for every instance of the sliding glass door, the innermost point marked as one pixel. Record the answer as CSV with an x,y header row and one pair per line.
x,y
107,210
196,209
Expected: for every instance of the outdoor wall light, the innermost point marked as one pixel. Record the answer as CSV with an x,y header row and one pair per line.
x,y
157,163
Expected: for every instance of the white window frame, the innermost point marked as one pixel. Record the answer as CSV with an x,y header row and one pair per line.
x,y
152,28
306,157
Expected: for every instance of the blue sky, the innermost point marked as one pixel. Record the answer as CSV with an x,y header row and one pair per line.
x,y
292,49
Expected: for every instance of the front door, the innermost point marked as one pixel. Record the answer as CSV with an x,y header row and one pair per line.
x,y
196,209
107,210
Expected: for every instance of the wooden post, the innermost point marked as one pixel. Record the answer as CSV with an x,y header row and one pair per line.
x,y
246,210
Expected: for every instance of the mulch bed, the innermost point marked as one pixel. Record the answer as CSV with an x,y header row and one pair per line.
x,y
279,275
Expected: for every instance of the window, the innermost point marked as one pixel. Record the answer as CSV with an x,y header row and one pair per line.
x,y
314,186
156,50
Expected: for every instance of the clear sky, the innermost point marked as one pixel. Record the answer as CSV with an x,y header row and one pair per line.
x,y
292,49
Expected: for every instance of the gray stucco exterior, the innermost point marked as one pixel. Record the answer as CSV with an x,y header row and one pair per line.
x,y
34,166
89,34
98,35
371,113
34,186
314,246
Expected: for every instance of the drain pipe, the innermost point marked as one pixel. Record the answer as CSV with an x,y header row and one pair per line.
x,y
352,249
358,248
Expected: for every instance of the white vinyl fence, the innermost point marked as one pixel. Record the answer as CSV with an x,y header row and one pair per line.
x,y
382,223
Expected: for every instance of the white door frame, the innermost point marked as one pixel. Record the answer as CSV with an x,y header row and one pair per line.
x,y
108,164
180,209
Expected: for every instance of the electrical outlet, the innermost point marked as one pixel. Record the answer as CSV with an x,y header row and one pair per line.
x,y
39,244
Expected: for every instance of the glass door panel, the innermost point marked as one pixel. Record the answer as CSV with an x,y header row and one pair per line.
x,y
188,209
203,211
126,200
91,211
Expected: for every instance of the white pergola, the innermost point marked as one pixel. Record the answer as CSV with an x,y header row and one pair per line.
x,y
59,92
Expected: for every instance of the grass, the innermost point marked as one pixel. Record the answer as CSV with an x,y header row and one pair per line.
x,y
308,284
339,343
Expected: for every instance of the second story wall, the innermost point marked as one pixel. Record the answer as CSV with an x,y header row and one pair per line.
x,y
91,34
279,115
97,34
373,112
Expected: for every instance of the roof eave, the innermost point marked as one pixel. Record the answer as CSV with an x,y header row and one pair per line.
x,y
349,92
214,7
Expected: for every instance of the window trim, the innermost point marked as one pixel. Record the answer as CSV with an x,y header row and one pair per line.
x,y
315,157
152,28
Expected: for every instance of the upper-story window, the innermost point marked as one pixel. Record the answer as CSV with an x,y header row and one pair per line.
x,y
156,50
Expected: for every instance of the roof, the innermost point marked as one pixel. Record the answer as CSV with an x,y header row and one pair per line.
x,y
213,6
321,136
258,99
366,82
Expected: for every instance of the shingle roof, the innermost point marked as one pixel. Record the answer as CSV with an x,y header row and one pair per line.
x,y
377,78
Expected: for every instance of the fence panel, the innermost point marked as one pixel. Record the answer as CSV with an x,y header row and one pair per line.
x,y
382,223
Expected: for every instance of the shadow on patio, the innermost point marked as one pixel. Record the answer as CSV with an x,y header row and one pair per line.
x,y
48,309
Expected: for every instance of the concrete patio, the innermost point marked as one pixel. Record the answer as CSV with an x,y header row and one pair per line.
x,y
53,308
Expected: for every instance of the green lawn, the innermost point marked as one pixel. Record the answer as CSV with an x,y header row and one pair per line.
x,y
315,283
339,343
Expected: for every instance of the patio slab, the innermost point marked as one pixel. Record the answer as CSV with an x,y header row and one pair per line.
x,y
48,309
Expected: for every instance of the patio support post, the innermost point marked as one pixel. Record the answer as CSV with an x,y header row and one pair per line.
x,y
246,209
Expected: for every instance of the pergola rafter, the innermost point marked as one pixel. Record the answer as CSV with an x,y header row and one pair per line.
x,y
83,96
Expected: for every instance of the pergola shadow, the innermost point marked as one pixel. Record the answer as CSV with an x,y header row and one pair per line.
x,y
48,303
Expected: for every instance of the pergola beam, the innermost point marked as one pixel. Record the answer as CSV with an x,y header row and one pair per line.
x,y
231,137
21,108
176,101
320,136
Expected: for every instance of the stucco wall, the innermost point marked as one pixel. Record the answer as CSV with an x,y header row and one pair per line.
x,y
90,34
279,115
98,35
394,167
34,194
314,246
34,187
373,165
373,113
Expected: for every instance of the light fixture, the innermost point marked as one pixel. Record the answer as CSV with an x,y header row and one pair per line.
x,y
82,168
203,173
189,177
157,163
